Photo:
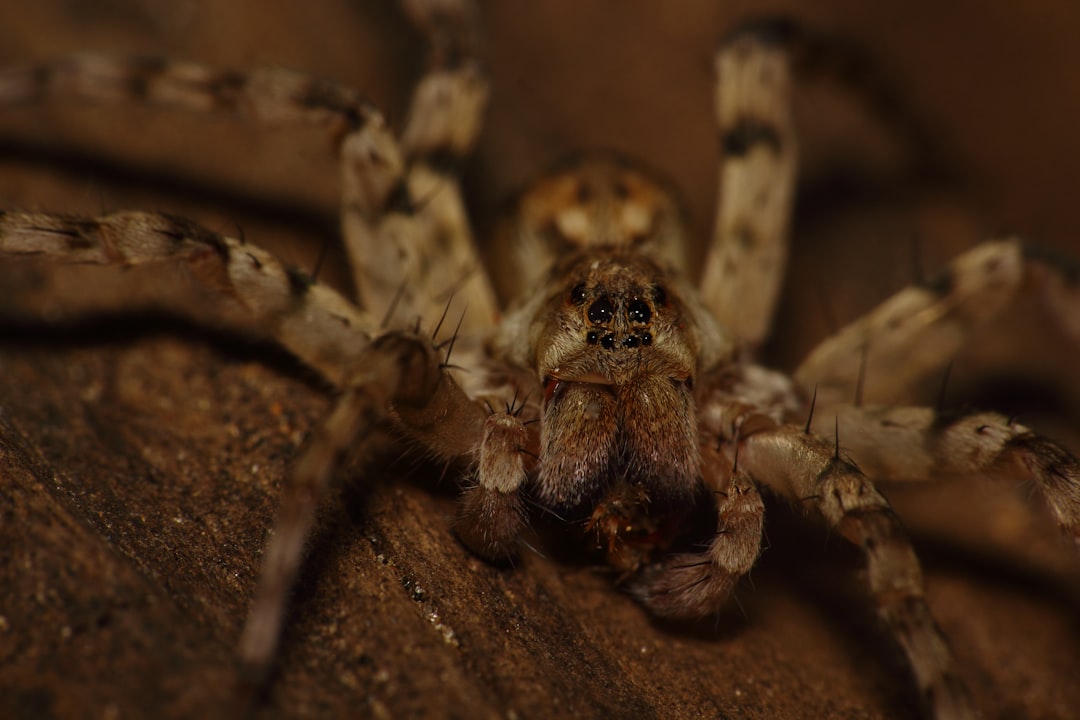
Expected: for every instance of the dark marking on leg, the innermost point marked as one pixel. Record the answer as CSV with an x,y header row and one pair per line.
x,y
747,134
769,31
1066,266
299,282
940,283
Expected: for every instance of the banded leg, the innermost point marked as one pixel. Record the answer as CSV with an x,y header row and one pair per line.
x,y
376,188
806,469
322,328
273,96
919,444
745,264
920,329
395,376
699,584
370,158
411,241
397,371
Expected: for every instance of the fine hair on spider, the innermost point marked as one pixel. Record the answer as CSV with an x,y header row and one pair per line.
x,y
597,376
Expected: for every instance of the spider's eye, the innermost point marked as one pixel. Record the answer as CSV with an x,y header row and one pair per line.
x,y
577,295
659,296
602,310
639,311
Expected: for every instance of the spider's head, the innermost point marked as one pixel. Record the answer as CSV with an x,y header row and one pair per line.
x,y
617,350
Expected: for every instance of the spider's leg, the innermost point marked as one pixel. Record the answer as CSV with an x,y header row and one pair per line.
x,y
394,217
314,322
397,373
746,261
921,329
448,103
274,96
699,584
808,470
371,162
397,376
918,444
412,240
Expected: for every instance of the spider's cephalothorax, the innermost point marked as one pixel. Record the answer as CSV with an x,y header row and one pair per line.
x,y
631,396
610,333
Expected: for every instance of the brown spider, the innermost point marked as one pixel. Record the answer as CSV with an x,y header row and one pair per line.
x,y
612,350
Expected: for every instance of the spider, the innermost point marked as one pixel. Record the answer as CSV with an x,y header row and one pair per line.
x,y
627,304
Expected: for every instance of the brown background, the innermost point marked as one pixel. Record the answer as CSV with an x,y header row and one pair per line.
x,y
139,466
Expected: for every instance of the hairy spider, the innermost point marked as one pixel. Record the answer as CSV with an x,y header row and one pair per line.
x,y
649,406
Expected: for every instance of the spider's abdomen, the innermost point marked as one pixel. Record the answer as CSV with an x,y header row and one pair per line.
x,y
599,201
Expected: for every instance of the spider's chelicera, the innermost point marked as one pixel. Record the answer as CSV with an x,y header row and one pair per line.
x,y
618,390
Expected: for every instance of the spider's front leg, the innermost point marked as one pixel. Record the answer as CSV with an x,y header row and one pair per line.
x,y
399,376
811,471
311,320
919,444
915,333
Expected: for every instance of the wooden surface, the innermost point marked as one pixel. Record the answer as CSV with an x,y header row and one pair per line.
x,y
141,456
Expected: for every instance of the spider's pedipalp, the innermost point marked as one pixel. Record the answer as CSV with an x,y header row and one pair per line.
x,y
700,584
491,513
807,468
